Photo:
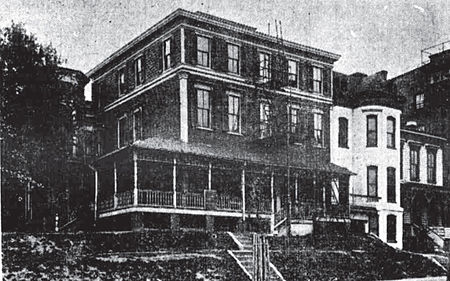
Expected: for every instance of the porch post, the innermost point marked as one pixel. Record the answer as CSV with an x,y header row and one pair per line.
x,y
296,189
95,194
209,176
243,191
174,182
115,185
272,205
135,190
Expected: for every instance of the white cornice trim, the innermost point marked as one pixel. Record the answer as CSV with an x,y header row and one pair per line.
x,y
200,17
423,134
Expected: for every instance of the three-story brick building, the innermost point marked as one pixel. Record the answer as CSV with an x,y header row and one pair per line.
x,y
204,122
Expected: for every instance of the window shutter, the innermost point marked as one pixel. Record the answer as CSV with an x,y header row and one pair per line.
x,y
130,78
216,109
327,81
224,111
214,53
192,104
129,129
302,76
191,47
245,103
222,55
309,77
274,69
284,73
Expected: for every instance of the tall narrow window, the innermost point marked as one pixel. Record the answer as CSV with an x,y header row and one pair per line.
x,y
391,185
167,52
372,127
265,116
293,73
234,113
391,228
203,109
121,81
294,119
203,51
233,58
264,66
431,166
138,71
390,131
318,129
122,131
343,132
373,223
420,98
137,124
414,170
372,183
317,79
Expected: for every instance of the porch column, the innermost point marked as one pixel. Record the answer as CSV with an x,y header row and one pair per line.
x,y
174,182
115,185
243,191
95,194
183,107
135,190
296,189
209,176
272,204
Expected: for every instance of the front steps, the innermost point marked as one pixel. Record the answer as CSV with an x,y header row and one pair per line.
x,y
244,256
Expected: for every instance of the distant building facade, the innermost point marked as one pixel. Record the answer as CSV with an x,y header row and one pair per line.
x,y
204,122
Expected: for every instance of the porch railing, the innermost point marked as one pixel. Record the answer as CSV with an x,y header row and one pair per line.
x,y
260,206
225,202
190,200
124,199
155,198
106,204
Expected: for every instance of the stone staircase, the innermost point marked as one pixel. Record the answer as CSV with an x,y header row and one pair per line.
x,y
244,256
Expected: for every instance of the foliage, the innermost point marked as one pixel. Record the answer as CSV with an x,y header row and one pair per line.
x,y
36,115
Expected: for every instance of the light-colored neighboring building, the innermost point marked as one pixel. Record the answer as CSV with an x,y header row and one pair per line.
x,y
365,138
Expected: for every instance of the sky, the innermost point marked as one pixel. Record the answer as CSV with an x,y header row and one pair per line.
x,y
369,35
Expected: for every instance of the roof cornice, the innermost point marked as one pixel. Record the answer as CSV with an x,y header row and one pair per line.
x,y
212,20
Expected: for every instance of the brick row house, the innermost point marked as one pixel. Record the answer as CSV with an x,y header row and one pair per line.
x,y
204,122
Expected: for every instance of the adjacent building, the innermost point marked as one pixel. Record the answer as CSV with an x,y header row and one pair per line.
x,y
365,134
204,122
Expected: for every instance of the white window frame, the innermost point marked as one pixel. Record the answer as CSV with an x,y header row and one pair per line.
x,y
207,90
139,111
121,74
420,101
290,108
118,130
135,65
263,67
167,64
264,119
316,128
202,51
231,94
238,66
291,73
317,79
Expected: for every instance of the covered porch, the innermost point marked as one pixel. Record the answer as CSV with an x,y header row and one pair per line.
x,y
172,182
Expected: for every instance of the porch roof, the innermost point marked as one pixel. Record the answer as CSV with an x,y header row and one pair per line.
x,y
302,158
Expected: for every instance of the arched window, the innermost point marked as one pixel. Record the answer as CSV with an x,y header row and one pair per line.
x,y
343,132
390,131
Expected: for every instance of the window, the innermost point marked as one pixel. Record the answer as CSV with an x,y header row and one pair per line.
x,y
402,146
203,51
335,191
390,130
318,129
137,124
343,132
138,70
264,66
203,109
265,116
122,131
420,101
414,163
391,228
373,223
391,185
294,119
293,73
431,166
317,79
121,81
166,54
233,58
372,131
234,113
372,183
